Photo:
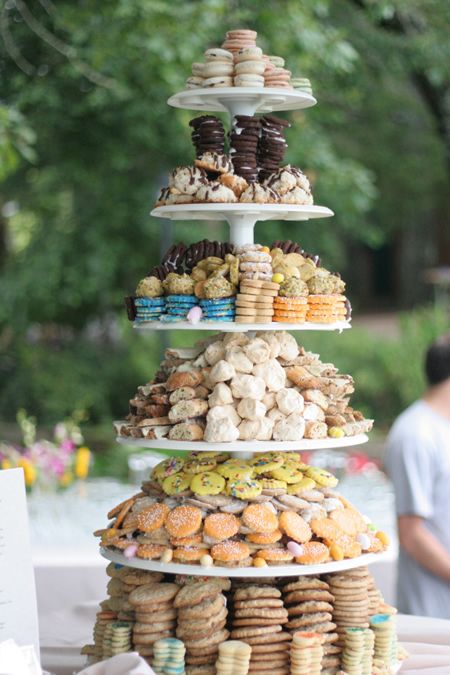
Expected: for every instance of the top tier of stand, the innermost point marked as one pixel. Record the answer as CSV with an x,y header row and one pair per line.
x,y
242,100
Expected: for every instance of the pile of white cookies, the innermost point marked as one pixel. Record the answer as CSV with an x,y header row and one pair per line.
x,y
234,387
239,62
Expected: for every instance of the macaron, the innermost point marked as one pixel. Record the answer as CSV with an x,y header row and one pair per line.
x,y
222,81
249,54
249,80
217,54
250,67
217,69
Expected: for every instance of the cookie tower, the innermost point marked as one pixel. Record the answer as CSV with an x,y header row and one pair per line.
x,y
239,516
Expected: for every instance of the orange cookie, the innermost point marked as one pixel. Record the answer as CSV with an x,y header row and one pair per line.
x,y
325,299
150,551
183,521
264,537
260,518
350,547
230,551
153,517
187,541
296,528
287,303
188,555
275,555
314,552
325,528
288,319
349,520
221,526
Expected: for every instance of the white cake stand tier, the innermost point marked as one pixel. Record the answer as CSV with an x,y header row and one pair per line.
x,y
242,100
303,445
293,570
241,217
233,327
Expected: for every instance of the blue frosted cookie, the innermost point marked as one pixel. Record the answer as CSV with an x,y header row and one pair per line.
x,y
149,302
219,318
190,300
219,312
217,302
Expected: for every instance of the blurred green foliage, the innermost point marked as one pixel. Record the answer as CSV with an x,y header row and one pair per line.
x,y
86,138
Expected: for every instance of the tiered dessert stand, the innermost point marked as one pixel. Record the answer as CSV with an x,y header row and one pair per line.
x,y
242,219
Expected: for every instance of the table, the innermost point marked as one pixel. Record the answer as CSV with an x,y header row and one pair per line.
x,y
426,640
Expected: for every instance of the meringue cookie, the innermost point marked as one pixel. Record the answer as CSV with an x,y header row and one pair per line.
x,y
272,373
248,386
289,401
257,350
276,415
251,409
273,342
219,412
221,395
239,339
214,352
222,371
235,355
289,349
220,431
269,400
313,413
291,428
256,430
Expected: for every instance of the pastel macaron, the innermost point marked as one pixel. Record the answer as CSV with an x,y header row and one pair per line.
x,y
221,55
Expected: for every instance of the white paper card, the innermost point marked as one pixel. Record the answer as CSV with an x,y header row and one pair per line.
x,y
18,610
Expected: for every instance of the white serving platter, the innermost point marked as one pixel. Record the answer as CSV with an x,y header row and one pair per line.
x,y
303,445
292,570
233,327
242,100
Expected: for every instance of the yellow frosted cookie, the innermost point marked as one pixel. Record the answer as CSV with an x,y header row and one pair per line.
x,y
199,465
167,468
267,462
322,477
287,473
272,484
304,484
244,489
235,469
207,483
179,482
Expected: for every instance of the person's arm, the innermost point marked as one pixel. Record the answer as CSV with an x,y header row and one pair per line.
x,y
423,546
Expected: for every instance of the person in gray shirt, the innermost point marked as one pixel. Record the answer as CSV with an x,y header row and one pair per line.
x,y
418,463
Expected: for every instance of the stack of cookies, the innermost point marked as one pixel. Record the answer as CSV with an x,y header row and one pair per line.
x,y
155,615
351,600
272,145
376,599
275,74
208,134
148,309
117,638
255,263
244,136
202,616
234,658
310,606
383,625
238,39
357,657
326,308
178,306
254,302
249,67
306,653
290,310
168,657
258,618
218,309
